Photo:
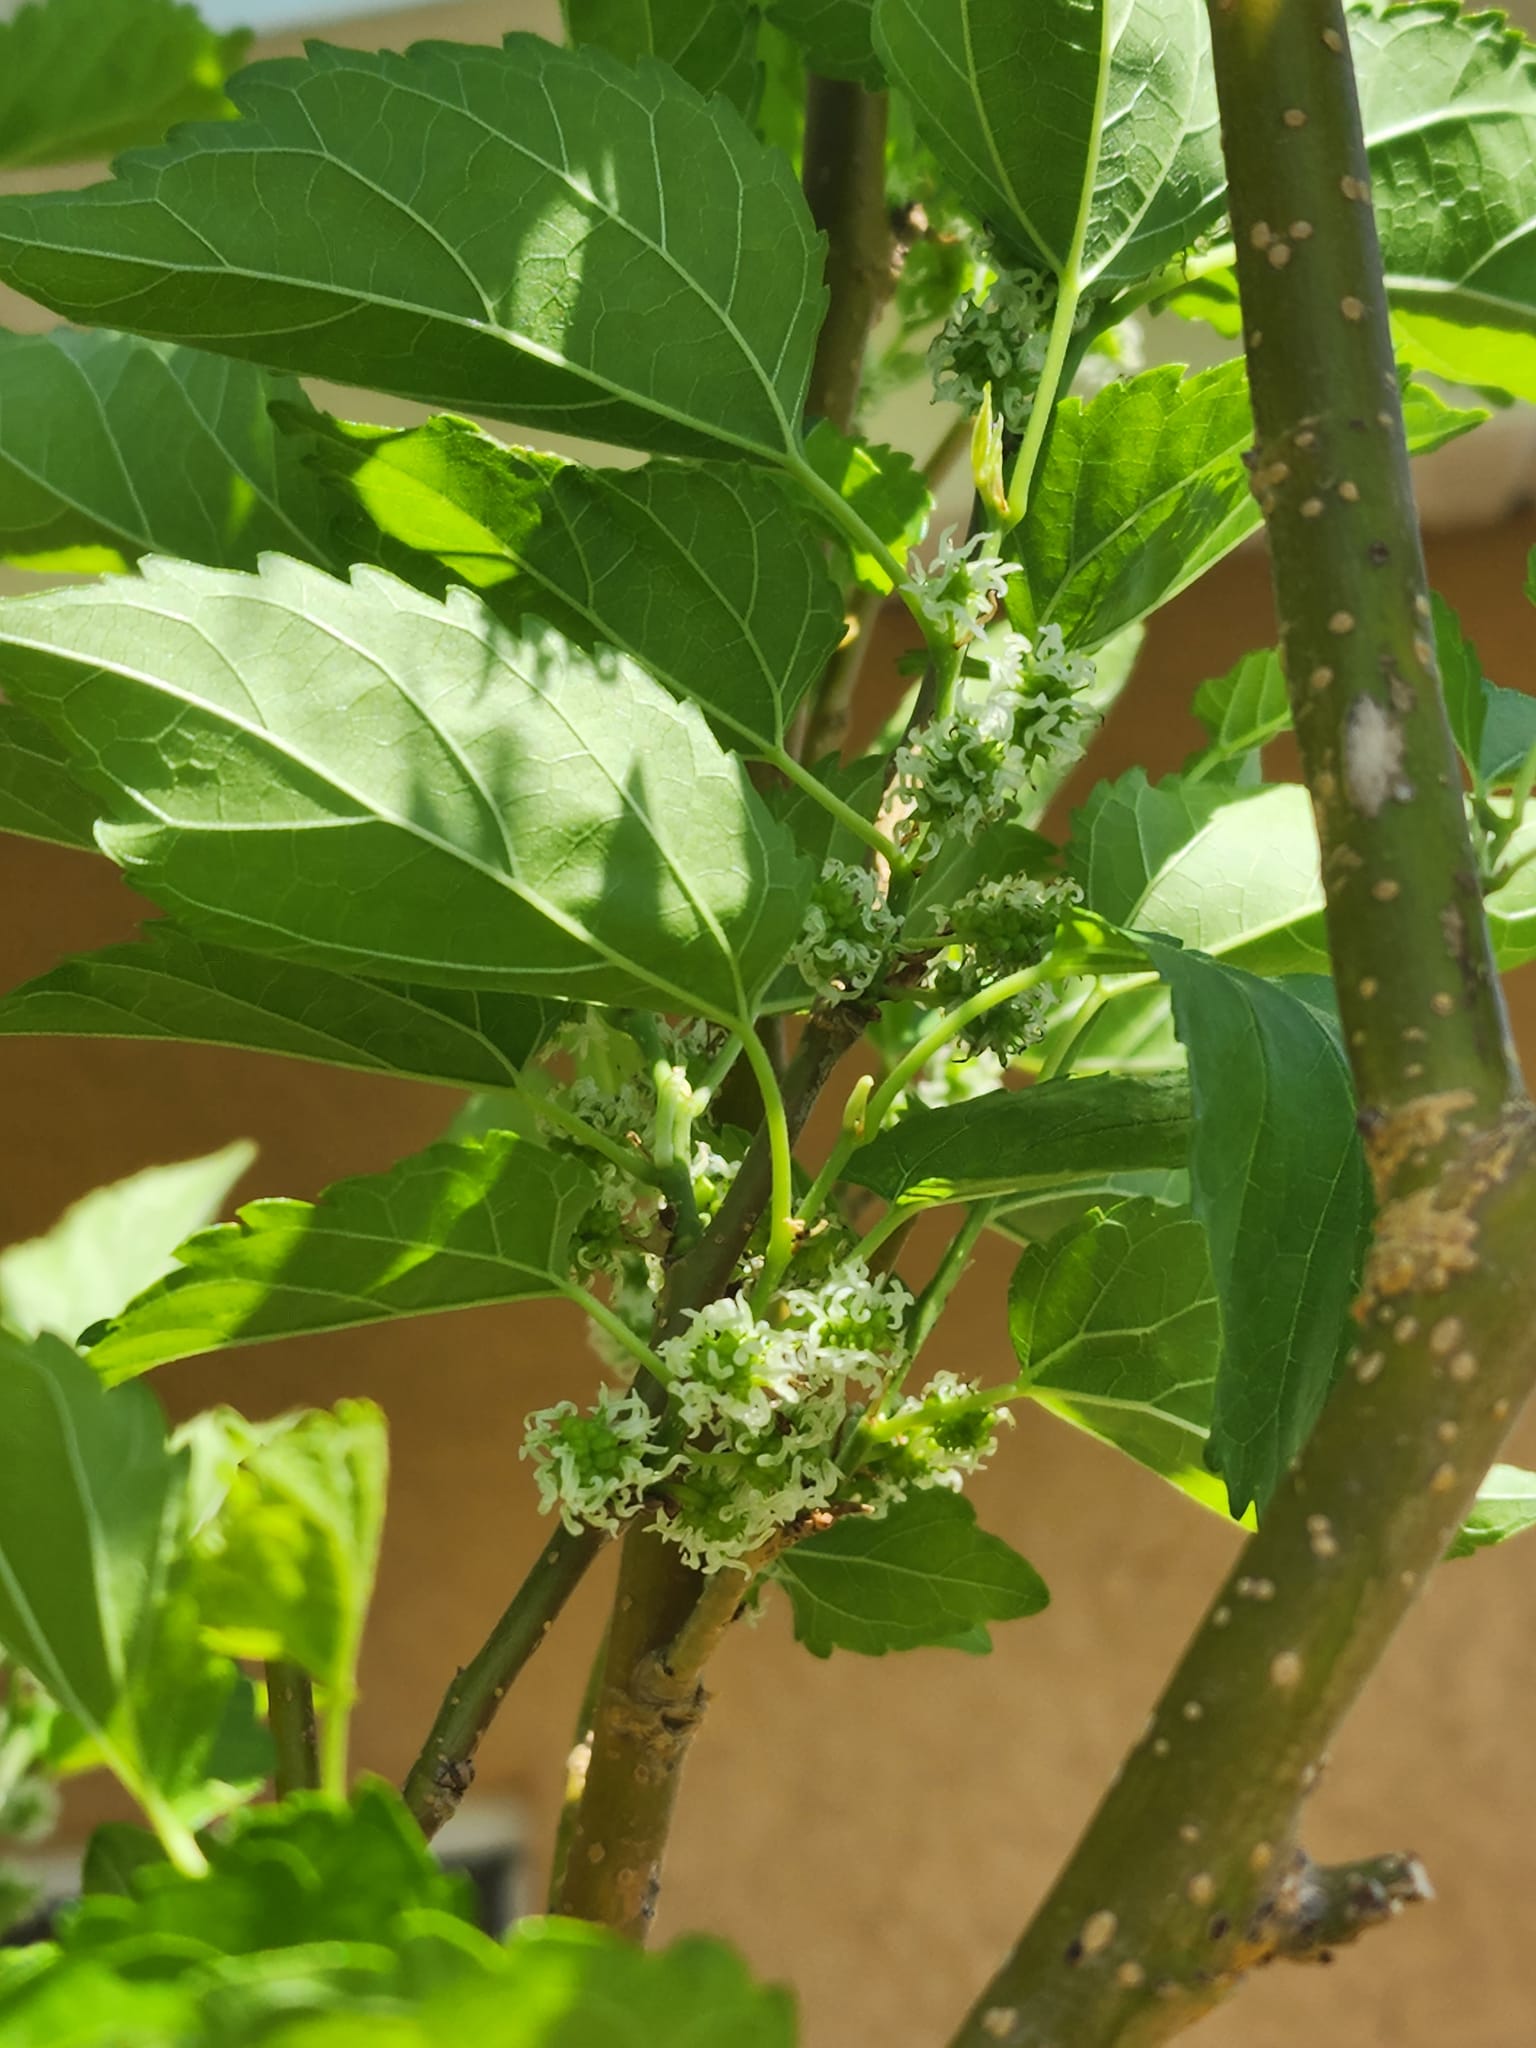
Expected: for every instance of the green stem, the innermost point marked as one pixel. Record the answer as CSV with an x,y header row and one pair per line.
x,y
335,1742
1186,270
617,1329
1191,1871
1069,291
577,1763
781,1192
580,1132
445,1769
934,1298
291,1724
871,835
173,1834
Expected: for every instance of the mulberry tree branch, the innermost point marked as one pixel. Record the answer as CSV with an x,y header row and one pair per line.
x,y
1192,1870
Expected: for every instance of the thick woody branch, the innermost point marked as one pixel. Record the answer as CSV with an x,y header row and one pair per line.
x,y
844,181
1191,1872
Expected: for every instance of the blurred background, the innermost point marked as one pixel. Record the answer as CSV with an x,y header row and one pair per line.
x,y
873,1832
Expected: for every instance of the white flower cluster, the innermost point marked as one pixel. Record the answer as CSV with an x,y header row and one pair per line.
x,y
847,932
959,590
757,1412
977,763
938,1437
997,338
596,1469
999,928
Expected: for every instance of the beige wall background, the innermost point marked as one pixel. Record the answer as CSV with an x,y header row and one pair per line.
x,y
874,1832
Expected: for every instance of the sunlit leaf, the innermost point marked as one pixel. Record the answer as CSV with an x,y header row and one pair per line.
x,y
712,46
457,1226
113,1243
1505,1507
529,232
354,776
923,1576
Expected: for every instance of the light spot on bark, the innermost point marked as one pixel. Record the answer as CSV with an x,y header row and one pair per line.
x,y
1312,508
1352,308
1500,1409
1349,491
1294,117
1386,890
1368,986
1424,654
1341,623
1407,1580
1255,336
1285,1670
1189,1831
1130,1976
1221,1617
1099,1930
1321,1537
1405,1329
1201,1889
1261,234
1162,1746
1300,230
1279,254
1448,1431
1260,1857
1304,438
1463,1367
1320,678
1445,1336
1442,1004
1192,1710
1255,1589
1000,2021
1443,1479
1373,752
1368,1367
1334,40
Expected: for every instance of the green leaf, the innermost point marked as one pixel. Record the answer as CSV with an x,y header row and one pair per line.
x,y
1016,1140
112,448
923,1577
457,1226
316,1869
113,1243
168,986
1117,1329
92,1601
285,1561
39,798
836,37
702,573
1243,710
1278,1180
1233,872
1448,104
1506,1506
80,80
526,232
1143,488
547,821
885,488
1493,729
1048,1210
713,47
1120,146
115,1854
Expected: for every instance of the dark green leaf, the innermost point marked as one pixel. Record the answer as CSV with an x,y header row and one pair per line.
x,y
112,448
527,232
39,798
115,1855
703,573
1051,1209
457,1226
113,1243
1494,729
1278,1180
79,79
1506,1506
1242,710
923,1577
167,986
1143,488
712,46
1138,188
545,820
1117,1329
835,35
1015,1140
886,489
